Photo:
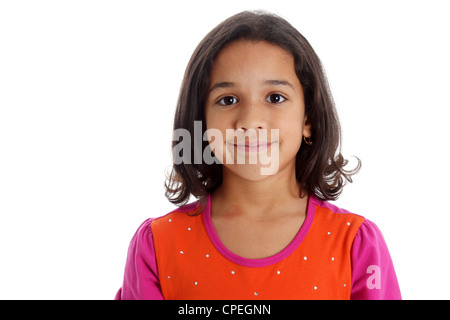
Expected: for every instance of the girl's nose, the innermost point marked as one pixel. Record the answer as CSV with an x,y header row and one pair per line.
x,y
250,117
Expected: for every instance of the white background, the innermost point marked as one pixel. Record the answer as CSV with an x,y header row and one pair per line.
x,y
87,96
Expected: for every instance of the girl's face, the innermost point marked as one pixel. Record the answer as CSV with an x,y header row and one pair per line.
x,y
253,86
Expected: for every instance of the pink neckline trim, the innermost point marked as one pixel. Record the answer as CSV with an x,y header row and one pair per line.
x,y
263,261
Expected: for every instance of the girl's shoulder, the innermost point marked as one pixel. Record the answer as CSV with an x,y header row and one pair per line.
x,y
180,215
327,214
373,273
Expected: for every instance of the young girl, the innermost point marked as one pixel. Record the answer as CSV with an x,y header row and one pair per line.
x,y
252,235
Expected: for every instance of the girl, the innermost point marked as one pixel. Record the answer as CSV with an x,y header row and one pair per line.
x,y
252,235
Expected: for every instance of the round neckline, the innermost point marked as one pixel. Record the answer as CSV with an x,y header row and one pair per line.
x,y
261,262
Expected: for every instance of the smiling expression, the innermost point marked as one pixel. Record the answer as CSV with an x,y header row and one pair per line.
x,y
254,89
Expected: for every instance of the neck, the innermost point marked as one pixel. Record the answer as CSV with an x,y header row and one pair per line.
x,y
259,199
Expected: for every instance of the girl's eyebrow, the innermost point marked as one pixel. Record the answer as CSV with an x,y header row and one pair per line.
x,y
221,85
226,84
279,83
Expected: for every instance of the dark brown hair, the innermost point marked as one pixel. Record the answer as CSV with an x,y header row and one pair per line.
x,y
319,166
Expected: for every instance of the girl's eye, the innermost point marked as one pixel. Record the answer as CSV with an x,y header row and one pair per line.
x,y
275,98
228,101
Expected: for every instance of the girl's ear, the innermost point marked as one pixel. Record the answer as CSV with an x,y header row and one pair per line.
x,y
306,127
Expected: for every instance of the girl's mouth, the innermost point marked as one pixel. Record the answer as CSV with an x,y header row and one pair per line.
x,y
253,146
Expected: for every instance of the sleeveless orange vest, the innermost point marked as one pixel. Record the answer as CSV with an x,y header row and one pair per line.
x,y
191,266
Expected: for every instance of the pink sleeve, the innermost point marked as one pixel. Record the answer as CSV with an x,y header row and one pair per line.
x,y
141,281
373,274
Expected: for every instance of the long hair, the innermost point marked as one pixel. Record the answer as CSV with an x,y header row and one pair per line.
x,y
319,166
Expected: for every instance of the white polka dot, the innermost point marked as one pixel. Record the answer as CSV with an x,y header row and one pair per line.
x,y
189,229
233,272
345,284
256,293
278,272
170,220
332,258
196,283
207,255
305,258
348,223
329,232
168,277
315,287
181,252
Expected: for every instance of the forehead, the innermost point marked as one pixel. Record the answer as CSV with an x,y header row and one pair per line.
x,y
249,58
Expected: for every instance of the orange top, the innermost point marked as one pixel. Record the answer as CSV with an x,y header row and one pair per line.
x,y
193,263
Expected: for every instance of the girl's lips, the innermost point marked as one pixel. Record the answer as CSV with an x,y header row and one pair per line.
x,y
253,147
